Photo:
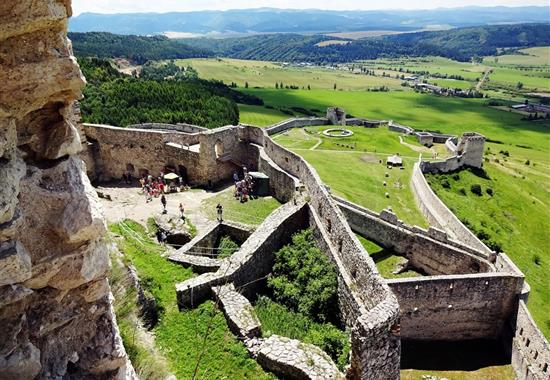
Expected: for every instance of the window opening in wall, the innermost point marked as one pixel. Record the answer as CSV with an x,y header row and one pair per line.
x,y
130,168
218,148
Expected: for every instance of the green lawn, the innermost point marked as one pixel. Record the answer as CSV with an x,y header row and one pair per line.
x,y
181,336
252,212
386,260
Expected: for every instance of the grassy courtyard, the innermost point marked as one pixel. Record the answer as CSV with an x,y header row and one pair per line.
x,y
354,167
252,212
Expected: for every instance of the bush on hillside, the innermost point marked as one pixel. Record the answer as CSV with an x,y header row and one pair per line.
x,y
476,189
304,279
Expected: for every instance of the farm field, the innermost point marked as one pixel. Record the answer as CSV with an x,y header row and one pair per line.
x,y
531,56
266,74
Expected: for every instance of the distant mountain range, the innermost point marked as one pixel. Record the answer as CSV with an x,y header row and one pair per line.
x,y
269,20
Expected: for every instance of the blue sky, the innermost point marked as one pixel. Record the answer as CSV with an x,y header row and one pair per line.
x,y
120,6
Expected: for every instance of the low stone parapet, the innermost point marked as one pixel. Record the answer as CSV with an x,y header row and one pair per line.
x,y
238,311
200,264
296,360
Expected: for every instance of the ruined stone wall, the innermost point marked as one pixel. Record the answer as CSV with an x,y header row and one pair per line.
x,y
456,307
116,150
438,214
367,304
180,127
296,123
55,309
434,257
530,349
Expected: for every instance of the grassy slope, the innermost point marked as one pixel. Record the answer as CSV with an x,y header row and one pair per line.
x,y
180,335
515,216
266,74
533,56
504,372
252,212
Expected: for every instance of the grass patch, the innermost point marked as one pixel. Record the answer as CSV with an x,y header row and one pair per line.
x,y
386,260
252,212
277,319
180,336
501,372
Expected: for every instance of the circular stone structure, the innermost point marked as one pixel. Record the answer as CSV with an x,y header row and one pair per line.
x,y
337,132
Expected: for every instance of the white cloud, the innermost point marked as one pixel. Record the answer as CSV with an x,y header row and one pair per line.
x,y
127,6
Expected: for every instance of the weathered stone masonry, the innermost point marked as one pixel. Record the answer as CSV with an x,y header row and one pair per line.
x,y
471,292
56,316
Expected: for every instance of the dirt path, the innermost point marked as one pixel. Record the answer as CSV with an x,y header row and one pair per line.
x,y
319,140
483,79
129,202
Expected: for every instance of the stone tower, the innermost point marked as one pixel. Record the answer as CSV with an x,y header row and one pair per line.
x,y
471,147
56,316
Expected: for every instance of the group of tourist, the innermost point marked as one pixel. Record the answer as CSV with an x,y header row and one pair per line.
x,y
244,187
153,187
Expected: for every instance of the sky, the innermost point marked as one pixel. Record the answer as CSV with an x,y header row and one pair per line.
x,y
128,6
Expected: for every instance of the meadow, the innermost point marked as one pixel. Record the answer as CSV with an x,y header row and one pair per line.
x,y
266,74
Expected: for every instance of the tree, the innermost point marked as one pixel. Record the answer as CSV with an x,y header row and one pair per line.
x,y
276,85
308,87
519,86
245,84
334,86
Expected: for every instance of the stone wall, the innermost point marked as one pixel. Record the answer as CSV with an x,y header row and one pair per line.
x,y
296,123
530,349
180,127
439,215
367,305
55,309
456,307
434,257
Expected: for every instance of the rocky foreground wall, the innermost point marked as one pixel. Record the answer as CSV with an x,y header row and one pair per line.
x,y
56,316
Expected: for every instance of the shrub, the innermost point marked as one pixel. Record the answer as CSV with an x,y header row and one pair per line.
x,y
527,162
462,191
489,191
304,279
227,247
456,176
446,184
476,189
536,259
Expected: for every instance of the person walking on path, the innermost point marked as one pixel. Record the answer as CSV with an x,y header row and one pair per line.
x,y
163,201
182,212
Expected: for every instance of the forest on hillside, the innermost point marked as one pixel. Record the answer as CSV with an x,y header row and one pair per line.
x,y
138,49
117,99
460,44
